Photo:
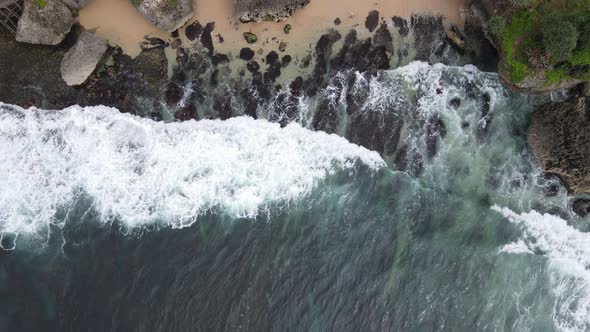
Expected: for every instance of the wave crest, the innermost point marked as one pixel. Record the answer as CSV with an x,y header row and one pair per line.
x,y
138,171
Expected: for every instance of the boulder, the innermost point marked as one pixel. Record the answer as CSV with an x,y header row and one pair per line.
x,y
81,60
560,140
581,207
267,10
167,15
75,4
46,25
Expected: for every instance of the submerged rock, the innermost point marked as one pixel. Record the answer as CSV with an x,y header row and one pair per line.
x,y
81,60
167,15
560,140
45,25
581,207
259,10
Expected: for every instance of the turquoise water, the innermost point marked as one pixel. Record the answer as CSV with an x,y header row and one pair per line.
x,y
128,224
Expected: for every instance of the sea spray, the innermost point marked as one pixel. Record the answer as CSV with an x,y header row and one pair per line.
x,y
139,171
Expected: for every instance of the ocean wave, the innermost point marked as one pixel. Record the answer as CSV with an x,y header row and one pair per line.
x,y
138,171
568,252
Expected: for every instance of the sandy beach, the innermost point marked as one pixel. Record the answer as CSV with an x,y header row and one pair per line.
x,y
119,23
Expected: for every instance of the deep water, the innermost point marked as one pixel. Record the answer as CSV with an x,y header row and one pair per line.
x,y
116,223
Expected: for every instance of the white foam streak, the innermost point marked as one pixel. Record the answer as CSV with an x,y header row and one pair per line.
x,y
139,171
568,253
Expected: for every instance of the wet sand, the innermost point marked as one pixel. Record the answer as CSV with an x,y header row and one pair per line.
x,y
119,23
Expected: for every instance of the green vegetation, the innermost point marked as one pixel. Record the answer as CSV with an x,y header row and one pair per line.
x,y
520,24
559,37
497,25
170,5
550,37
522,3
41,3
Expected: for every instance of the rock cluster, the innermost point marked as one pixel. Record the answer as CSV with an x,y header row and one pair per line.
x,y
259,10
167,15
560,140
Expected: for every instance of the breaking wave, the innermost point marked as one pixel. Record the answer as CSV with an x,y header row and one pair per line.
x,y
138,171
568,253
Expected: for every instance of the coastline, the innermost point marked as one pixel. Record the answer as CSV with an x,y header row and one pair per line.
x,y
121,25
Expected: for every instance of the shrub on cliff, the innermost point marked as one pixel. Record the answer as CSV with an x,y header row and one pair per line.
x,y
497,25
559,37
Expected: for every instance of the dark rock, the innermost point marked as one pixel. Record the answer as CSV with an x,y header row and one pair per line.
x,y
287,28
219,58
222,105
377,59
214,79
271,58
306,61
286,109
323,51
193,31
285,61
246,54
296,87
402,25
220,38
337,21
206,38
429,33
455,102
372,20
552,185
560,140
174,34
188,112
581,207
253,66
383,38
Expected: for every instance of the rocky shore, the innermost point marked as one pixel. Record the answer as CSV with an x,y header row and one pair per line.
x,y
193,74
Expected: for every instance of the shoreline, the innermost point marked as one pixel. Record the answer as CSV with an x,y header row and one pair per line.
x,y
118,22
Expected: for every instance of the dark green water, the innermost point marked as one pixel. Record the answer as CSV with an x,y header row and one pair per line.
x,y
115,223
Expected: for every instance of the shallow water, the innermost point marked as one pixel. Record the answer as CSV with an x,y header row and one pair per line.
x,y
112,222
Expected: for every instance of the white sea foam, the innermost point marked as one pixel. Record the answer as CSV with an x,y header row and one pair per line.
x,y
139,171
568,253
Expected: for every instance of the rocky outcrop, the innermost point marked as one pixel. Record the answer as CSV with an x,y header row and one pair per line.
x,y
536,84
45,25
167,15
76,4
259,10
80,61
560,140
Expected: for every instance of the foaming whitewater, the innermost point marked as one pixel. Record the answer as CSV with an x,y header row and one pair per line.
x,y
139,171
568,254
